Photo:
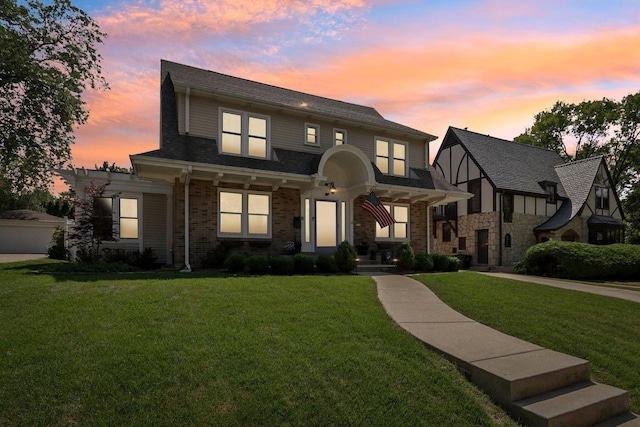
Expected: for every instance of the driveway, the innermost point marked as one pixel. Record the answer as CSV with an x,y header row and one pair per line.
x,y
574,286
20,257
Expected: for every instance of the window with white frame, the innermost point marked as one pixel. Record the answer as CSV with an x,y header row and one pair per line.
x,y
244,214
602,197
391,157
128,218
339,137
400,229
311,134
244,134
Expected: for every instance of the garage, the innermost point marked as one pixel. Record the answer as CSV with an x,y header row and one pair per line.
x,y
27,232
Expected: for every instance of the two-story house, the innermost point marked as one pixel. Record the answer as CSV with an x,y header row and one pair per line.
x,y
522,195
257,166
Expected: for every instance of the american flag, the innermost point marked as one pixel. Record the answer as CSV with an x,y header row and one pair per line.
x,y
377,210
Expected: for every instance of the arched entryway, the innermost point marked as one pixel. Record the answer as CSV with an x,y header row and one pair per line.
x,y
570,236
344,172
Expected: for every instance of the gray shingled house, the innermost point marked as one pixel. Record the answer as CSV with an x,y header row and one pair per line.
x,y
254,167
522,195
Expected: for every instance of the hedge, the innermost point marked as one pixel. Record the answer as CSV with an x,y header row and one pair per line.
x,y
583,261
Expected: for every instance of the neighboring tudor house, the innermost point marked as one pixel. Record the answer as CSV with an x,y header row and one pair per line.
x,y
254,166
522,195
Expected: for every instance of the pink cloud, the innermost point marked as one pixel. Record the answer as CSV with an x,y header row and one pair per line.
x,y
428,76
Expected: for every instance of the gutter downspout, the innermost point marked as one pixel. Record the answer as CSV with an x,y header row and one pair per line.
x,y
187,180
500,219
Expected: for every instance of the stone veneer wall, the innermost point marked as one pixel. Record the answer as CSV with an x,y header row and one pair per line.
x,y
203,221
522,236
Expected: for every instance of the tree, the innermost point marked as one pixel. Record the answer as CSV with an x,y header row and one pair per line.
x,y
38,199
601,127
632,215
93,222
106,167
48,58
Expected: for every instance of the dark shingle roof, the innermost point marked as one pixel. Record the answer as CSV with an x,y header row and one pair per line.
x,y
510,165
210,81
187,148
29,215
577,179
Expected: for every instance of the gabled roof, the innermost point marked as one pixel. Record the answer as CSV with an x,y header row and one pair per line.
x,y
577,179
213,82
29,215
509,165
204,151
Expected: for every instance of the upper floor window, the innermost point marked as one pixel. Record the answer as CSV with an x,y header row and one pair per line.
x,y
446,232
602,197
551,192
391,157
311,134
507,207
474,204
244,214
244,134
400,229
339,137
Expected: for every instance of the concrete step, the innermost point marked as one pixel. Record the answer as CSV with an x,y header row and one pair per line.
x,y
580,405
628,419
519,376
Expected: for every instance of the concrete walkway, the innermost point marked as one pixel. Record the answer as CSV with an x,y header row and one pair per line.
x,y
537,386
627,294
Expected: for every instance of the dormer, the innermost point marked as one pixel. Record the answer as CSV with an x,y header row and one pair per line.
x,y
551,188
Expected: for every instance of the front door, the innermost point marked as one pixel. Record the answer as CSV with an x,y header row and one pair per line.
x,y
326,225
482,251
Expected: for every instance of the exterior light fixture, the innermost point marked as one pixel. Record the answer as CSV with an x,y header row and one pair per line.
x,y
331,189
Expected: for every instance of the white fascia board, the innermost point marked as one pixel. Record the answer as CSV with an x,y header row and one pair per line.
x,y
179,165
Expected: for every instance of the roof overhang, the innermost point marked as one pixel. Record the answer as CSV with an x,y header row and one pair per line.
x,y
169,170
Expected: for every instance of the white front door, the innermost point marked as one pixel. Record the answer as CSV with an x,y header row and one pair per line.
x,y
326,225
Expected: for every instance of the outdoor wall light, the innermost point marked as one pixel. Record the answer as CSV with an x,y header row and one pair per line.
x,y
331,189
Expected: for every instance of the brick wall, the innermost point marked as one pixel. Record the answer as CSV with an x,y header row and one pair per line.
x,y
203,221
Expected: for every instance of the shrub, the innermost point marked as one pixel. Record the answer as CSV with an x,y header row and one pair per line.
x,y
424,263
405,256
235,263
303,264
215,258
281,265
346,257
57,249
326,264
145,259
256,264
440,262
115,255
519,267
454,264
584,261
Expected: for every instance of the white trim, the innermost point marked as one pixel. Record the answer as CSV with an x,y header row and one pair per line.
x,y
187,108
344,136
308,126
391,228
391,143
244,221
244,132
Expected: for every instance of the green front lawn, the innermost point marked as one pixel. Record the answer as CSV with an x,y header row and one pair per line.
x,y
603,330
170,349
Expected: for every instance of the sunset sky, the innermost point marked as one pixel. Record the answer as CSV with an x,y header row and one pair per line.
x,y
488,65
